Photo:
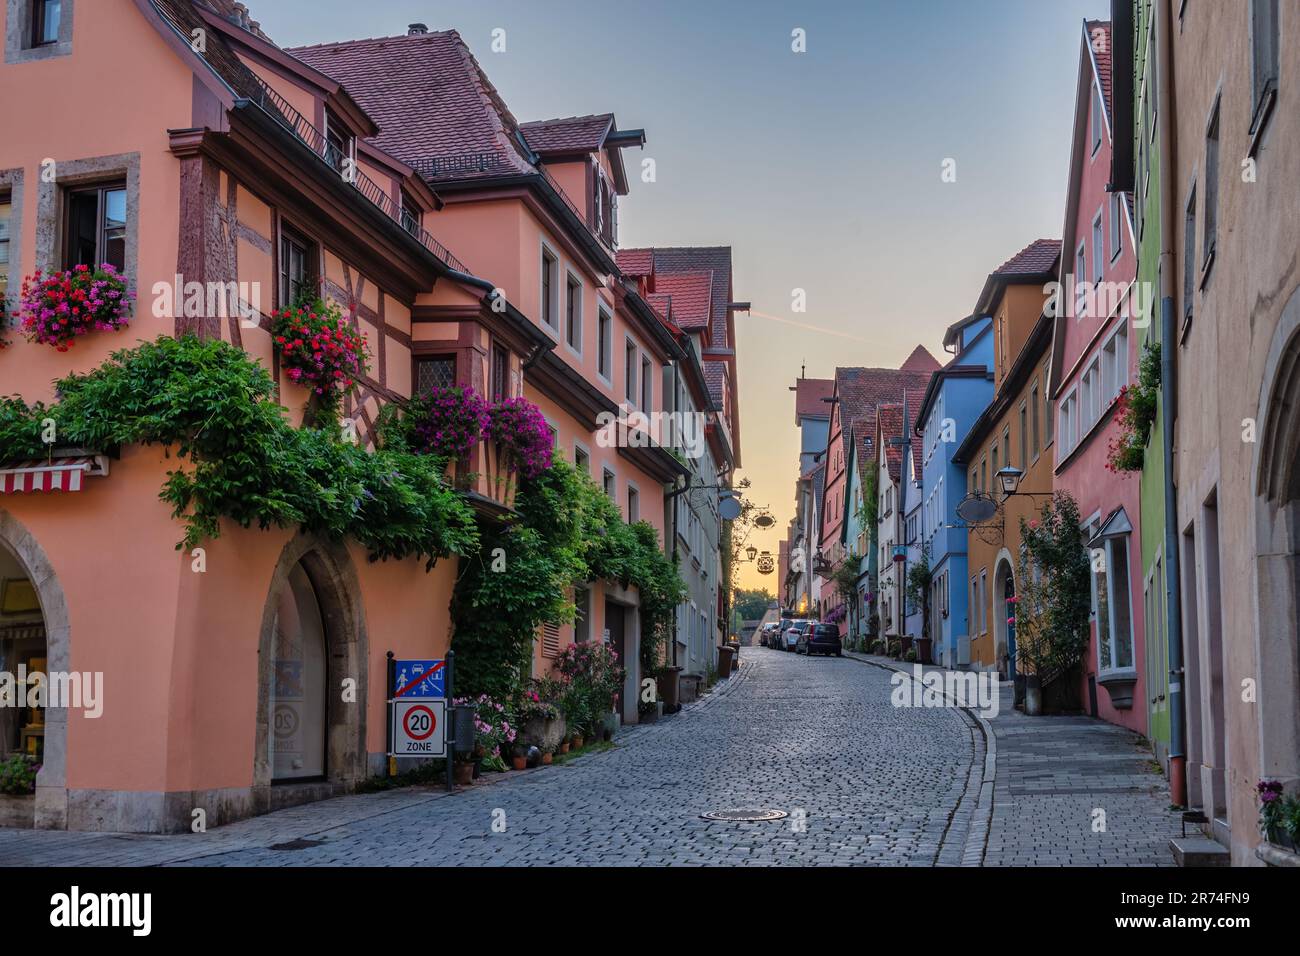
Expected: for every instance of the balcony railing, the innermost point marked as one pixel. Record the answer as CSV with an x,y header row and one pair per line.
x,y
279,109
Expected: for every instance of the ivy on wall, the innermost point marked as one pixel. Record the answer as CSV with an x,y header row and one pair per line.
x,y
238,458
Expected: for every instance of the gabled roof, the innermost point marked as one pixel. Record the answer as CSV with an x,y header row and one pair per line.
x,y
636,263
809,398
864,439
889,424
436,108
920,361
689,292
184,16
715,259
569,134
1034,263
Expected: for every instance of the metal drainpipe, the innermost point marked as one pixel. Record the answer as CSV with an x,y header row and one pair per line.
x,y
1169,402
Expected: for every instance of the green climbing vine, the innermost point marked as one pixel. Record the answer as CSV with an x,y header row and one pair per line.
x,y
238,458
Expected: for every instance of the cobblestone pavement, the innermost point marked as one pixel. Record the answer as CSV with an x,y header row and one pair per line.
x,y
875,784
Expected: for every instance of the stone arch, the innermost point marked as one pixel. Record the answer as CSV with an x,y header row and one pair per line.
x,y
338,592
1276,494
52,780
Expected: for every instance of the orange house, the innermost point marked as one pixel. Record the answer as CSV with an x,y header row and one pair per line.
x,y
1013,431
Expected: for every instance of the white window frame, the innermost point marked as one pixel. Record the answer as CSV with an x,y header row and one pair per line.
x,y
1116,225
1108,546
1099,243
630,370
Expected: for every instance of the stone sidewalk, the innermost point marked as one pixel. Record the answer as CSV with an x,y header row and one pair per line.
x,y
1066,791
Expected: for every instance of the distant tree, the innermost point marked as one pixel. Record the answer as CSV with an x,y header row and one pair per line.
x,y
752,603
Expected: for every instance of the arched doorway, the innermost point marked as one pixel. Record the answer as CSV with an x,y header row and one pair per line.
x,y
34,637
1277,547
1004,591
312,671
298,689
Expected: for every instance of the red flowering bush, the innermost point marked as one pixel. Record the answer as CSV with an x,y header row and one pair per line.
x,y
1135,411
448,422
319,349
59,307
517,426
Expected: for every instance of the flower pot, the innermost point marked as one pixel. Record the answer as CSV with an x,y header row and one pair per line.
x,y
463,772
519,763
578,741
547,758
1033,695
539,732
564,747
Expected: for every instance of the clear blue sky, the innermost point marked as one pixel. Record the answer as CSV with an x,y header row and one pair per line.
x,y
821,169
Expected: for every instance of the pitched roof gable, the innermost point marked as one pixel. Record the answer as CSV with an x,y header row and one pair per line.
x,y
436,108
568,134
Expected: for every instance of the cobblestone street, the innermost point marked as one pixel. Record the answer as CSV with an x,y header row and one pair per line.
x,y
816,738
875,784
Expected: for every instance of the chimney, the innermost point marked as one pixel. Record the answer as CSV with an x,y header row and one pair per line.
x,y
241,15
416,29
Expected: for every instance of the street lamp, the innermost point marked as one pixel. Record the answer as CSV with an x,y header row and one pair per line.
x,y
1010,478
752,552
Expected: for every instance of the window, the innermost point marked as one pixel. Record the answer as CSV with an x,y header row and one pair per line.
x,y
1048,421
1116,225
550,267
295,267
1110,603
1189,255
1089,399
434,371
647,385
629,372
1211,204
6,209
46,17
581,459
984,600
1006,446
605,345
609,483
1114,365
410,214
1098,116
633,505
1080,279
338,142
1068,405
1098,247
1024,435
500,387
95,227
1263,59
993,460
1034,421
984,474
573,313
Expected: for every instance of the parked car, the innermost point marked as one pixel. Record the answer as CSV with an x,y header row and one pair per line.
x,y
772,633
820,639
791,634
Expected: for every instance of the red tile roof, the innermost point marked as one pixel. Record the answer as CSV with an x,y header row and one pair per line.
x,y
864,434
889,418
690,297
636,262
920,361
1035,258
569,134
432,101
715,259
809,395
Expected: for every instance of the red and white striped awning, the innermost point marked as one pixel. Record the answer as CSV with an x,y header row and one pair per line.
x,y
57,474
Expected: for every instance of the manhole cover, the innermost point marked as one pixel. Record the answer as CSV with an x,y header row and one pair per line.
x,y
743,815
298,844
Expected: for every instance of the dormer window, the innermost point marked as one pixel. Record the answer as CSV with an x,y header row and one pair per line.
x,y
338,142
604,200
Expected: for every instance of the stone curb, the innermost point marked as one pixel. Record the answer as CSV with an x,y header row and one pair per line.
x,y
977,833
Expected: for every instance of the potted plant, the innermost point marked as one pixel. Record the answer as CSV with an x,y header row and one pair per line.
x,y
320,351
17,789
564,746
538,710
519,756
548,756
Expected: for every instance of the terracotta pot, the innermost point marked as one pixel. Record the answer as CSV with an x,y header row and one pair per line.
x,y
564,747
546,759
463,772
519,763
577,741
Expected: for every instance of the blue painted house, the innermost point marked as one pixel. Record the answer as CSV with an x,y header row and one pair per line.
x,y
956,396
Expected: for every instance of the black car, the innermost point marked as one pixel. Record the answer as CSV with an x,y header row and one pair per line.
x,y
820,639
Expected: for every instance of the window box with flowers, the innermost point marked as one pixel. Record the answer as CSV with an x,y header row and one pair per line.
x,y
320,351
1135,410
447,422
59,308
516,443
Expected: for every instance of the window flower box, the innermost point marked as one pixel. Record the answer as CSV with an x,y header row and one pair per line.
x,y
59,308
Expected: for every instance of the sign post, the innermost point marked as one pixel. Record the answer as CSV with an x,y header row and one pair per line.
x,y
451,732
417,714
